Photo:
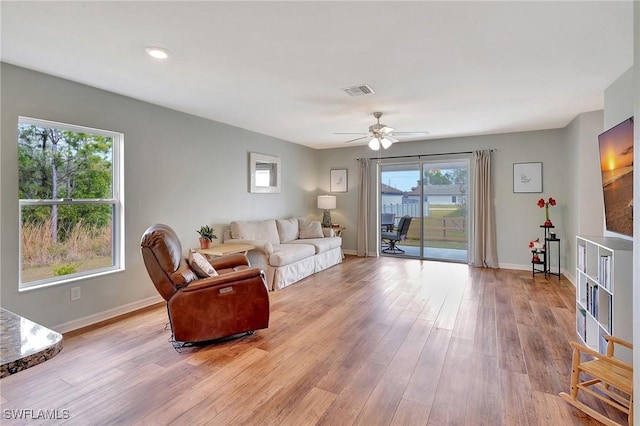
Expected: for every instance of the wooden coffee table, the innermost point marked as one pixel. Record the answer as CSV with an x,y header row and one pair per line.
x,y
226,249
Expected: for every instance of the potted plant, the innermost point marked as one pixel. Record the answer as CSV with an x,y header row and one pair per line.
x,y
206,235
542,203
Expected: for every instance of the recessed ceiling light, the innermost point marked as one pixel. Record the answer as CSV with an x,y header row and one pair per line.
x,y
157,52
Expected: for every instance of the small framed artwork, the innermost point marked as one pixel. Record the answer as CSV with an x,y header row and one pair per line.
x,y
338,179
527,177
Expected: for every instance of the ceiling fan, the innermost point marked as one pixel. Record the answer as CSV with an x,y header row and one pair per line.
x,y
380,135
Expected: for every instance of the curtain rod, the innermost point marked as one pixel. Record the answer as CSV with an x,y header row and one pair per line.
x,y
420,155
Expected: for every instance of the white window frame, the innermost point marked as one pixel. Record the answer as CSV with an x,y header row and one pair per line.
x,y
117,201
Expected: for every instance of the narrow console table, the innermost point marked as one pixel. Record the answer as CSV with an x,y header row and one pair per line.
x,y
24,343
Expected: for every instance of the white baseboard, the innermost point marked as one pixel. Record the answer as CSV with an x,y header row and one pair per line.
x,y
515,266
105,315
570,277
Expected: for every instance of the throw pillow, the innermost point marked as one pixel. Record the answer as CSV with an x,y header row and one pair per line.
x,y
264,230
310,229
287,229
201,265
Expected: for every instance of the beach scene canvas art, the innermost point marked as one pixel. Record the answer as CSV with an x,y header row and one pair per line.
x,y
616,164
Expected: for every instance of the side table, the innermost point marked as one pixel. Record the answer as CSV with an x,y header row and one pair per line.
x,y
225,249
338,230
543,256
547,258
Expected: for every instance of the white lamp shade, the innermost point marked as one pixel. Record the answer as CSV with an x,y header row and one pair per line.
x,y
374,144
386,143
327,202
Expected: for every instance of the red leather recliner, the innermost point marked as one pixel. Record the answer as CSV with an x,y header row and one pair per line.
x,y
202,309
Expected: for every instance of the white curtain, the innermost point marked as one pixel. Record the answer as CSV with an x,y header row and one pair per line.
x,y
483,244
362,245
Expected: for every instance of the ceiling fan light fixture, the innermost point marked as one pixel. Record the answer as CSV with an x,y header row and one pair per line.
x,y
374,144
379,134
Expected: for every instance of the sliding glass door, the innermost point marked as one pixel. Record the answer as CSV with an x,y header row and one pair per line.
x,y
445,197
424,209
398,185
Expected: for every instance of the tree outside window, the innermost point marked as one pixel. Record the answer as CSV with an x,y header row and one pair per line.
x,y
70,207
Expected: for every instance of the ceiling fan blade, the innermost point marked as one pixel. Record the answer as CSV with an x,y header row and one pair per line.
x,y
356,133
409,133
381,135
357,139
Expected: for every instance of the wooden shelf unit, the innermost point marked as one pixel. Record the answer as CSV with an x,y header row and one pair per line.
x,y
604,286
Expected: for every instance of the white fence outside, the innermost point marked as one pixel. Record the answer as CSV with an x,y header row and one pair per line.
x,y
399,210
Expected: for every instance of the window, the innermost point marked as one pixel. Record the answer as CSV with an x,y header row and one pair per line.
x,y
71,202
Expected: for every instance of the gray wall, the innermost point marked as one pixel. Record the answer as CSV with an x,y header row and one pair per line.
x,y
179,169
584,206
618,99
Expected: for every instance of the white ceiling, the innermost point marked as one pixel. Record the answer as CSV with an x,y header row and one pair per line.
x,y
450,68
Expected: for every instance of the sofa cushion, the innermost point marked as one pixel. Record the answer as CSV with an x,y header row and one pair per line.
x,y
284,254
288,230
264,230
310,229
201,265
320,245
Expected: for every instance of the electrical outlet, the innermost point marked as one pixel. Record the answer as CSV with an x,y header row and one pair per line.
x,y
75,293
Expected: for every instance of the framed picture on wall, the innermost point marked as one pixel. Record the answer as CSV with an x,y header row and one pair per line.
x,y
527,177
338,180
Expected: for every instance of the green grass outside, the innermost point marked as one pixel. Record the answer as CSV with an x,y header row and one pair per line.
x,y
44,272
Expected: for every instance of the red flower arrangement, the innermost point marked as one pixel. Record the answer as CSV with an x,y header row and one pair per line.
x,y
535,247
542,203
532,244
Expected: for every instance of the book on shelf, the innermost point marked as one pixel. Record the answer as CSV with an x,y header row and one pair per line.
x,y
604,271
592,299
581,324
581,258
603,344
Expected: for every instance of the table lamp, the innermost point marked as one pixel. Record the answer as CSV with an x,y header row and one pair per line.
x,y
326,202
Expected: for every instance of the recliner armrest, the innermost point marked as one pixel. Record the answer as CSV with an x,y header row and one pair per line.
x,y
229,262
230,278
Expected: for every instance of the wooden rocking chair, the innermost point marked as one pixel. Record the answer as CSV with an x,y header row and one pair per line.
x,y
612,378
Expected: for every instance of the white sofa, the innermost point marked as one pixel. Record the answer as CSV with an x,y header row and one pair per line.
x,y
288,250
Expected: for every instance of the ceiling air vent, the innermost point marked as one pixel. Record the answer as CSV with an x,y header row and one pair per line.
x,y
359,90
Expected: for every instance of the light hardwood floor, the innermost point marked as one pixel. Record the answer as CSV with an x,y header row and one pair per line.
x,y
384,341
